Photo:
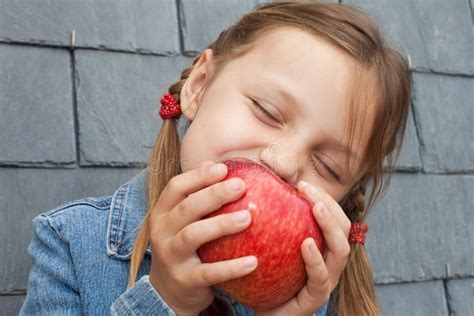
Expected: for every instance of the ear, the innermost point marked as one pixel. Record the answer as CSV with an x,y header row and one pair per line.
x,y
193,86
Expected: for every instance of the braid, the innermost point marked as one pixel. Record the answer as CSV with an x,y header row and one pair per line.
x,y
355,208
354,202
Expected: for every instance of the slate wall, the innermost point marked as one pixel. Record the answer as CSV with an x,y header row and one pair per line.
x,y
70,128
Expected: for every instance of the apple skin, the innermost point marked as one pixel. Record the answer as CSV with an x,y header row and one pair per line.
x,y
282,219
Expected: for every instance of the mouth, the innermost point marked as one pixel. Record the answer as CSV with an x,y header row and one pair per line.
x,y
244,159
240,159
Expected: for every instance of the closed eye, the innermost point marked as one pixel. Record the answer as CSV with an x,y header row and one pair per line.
x,y
328,169
270,116
264,111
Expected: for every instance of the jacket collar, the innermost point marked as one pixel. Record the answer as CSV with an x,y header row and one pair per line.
x,y
127,210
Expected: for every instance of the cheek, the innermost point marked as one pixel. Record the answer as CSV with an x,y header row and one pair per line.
x,y
193,149
236,130
228,128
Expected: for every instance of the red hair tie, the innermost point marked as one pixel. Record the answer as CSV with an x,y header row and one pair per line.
x,y
357,233
169,107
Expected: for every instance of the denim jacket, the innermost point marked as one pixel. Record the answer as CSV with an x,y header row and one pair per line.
x,y
81,253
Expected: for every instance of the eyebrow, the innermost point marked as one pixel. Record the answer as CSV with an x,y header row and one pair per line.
x,y
290,97
279,89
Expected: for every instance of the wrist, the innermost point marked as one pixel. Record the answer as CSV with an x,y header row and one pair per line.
x,y
155,284
168,298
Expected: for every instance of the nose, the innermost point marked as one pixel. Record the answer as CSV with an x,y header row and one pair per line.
x,y
282,160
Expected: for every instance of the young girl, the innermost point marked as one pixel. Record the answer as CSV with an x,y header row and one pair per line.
x,y
308,90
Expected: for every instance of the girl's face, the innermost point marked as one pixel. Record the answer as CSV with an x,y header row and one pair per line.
x,y
283,105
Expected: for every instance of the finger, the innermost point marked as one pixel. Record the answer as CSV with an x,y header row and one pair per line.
x,y
316,194
317,286
180,186
208,274
204,201
337,245
190,238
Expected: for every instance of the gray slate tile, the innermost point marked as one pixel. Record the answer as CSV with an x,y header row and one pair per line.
x,y
217,14
436,34
28,192
460,295
416,299
118,97
409,159
36,121
146,25
11,304
419,225
444,114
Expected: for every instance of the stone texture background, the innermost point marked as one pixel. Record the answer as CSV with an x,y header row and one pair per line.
x,y
70,128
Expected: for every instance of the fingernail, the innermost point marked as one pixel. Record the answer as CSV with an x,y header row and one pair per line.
x,y
250,262
241,216
218,168
312,190
234,184
303,184
312,246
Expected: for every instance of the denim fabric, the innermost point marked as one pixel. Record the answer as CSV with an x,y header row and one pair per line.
x,y
81,253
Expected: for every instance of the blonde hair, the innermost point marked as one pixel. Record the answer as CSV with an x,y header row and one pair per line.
x,y
382,76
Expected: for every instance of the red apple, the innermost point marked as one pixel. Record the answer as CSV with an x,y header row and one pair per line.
x,y
281,219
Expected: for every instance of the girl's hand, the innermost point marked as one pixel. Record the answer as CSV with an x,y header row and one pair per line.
x,y
176,232
323,274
